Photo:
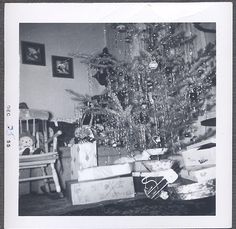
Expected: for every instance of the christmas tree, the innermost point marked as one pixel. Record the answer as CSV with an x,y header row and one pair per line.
x,y
154,100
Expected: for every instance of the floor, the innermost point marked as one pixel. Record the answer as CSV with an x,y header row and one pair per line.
x,y
53,205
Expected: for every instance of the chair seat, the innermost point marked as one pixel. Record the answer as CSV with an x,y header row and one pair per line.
x,y
38,157
39,160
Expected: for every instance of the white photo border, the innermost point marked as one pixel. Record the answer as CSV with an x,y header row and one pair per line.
x,y
218,12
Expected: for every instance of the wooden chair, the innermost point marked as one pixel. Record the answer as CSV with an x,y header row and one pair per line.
x,y
35,122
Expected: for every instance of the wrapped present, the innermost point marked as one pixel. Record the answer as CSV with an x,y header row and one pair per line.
x,y
199,157
152,165
156,151
95,191
83,155
208,142
199,173
103,172
142,178
193,191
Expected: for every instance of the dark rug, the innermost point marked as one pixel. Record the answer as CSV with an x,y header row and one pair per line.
x,y
147,207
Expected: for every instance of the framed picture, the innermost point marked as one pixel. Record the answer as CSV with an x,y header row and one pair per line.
x,y
33,53
62,67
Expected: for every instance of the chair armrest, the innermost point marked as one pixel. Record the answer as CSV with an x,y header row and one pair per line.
x,y
53,139
58,133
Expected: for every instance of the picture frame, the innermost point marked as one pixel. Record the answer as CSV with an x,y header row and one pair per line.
x,y
33,53
62,67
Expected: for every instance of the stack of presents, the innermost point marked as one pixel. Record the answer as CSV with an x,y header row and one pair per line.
x,y
189,175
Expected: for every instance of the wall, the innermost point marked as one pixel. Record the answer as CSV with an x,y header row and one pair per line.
x,y
38,88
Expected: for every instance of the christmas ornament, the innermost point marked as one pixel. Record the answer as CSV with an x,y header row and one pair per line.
x,y
168,70
156,139
153,65
172,52
149,84
193,95
150,98
141,67
128,39
121,28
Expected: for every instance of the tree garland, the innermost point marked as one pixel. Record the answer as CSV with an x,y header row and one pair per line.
x,y
158,93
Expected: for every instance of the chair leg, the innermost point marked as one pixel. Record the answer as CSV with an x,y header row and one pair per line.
x,y
55,178
47,187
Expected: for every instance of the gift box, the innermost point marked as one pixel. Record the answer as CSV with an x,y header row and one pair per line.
x,y
193,191
94,191
139,182
102,172
83,155
199,173
152,165
199,157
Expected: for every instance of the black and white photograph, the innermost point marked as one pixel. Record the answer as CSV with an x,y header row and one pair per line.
x,y
126,117
138,133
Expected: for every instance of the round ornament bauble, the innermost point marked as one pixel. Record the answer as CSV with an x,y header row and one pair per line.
x,y
153,65
128,39
172,52
121,28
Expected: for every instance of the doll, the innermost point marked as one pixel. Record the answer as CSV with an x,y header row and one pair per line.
x,y
26,145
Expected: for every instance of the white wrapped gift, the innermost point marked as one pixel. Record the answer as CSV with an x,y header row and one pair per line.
x,y
152,165
199,157
102,172
170,175
94,191
83,155
199,173
193,191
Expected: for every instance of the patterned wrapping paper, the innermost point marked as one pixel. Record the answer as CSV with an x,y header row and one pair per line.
x,y
193,191
95,191
195,157
83,156
152,165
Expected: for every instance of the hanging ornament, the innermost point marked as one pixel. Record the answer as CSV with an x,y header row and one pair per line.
x,y
153,65
141,67
121,28
168,70
150,98
170,80
172,52
128,39
149,84
156,139
187,134
121,73
193,95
